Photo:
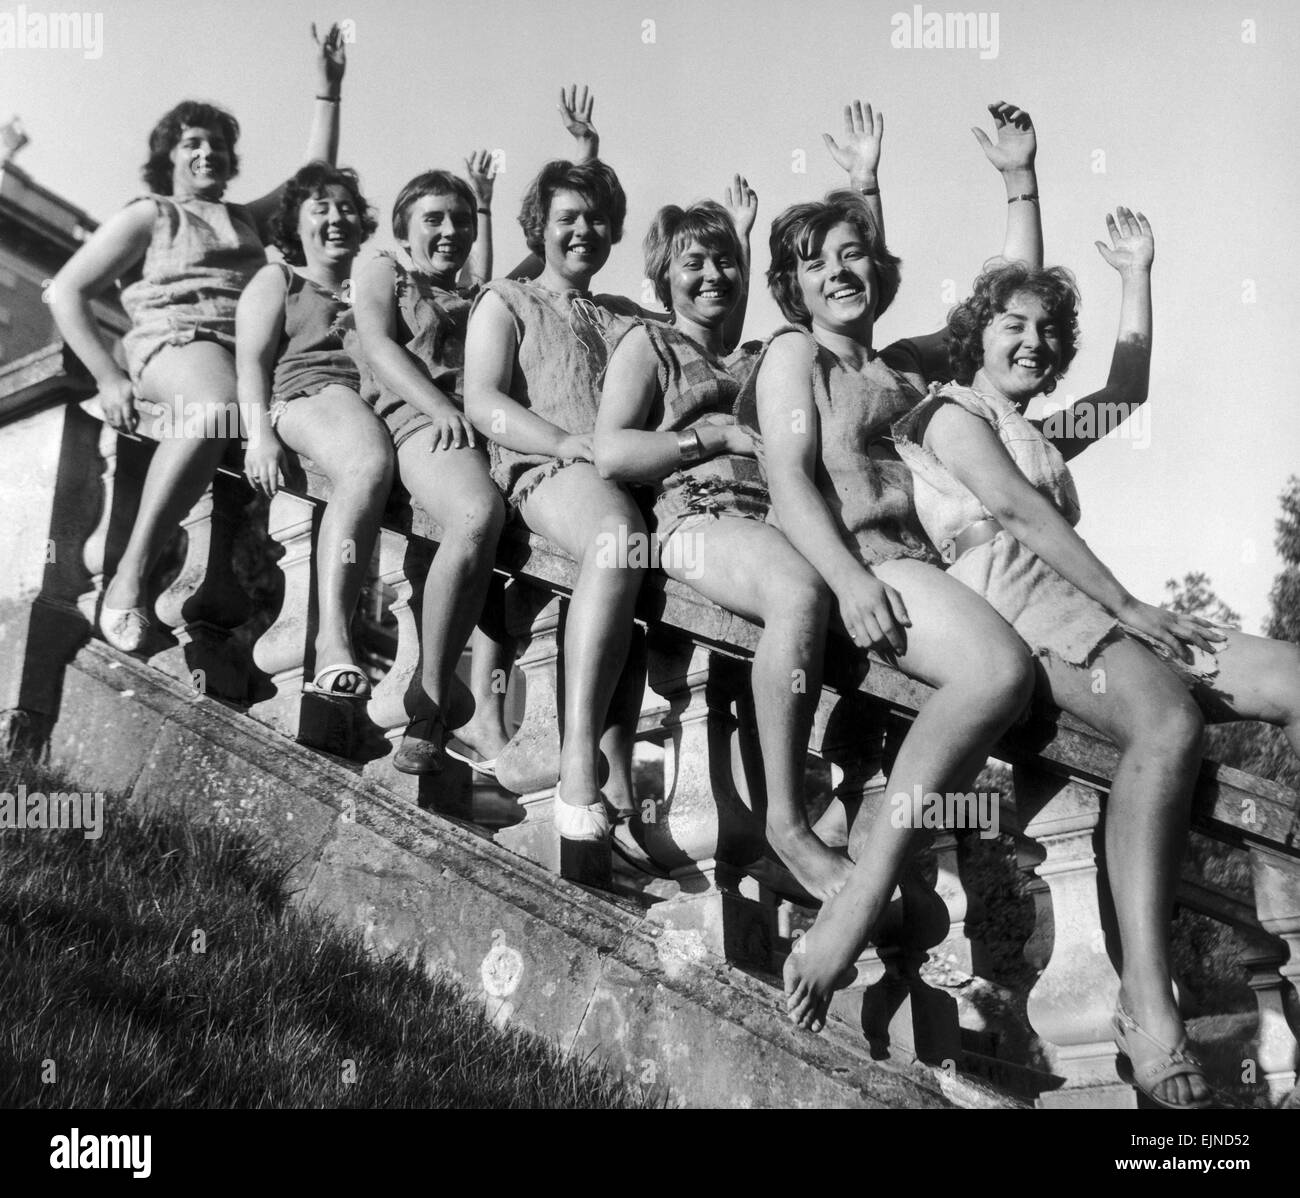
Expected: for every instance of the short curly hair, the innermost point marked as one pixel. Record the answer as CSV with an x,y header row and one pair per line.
x,y
674,228
430,183
594,180
163,139
797,235
307,183
992,292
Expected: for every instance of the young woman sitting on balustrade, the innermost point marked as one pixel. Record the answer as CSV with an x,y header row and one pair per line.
x,y
185,255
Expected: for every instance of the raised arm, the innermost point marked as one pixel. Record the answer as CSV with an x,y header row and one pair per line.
x,y
742,202
481,172
259,325
1131,252
860,155
575,112
977,459
624,449
1013,155
117,245
323,139
398,369
872,612
490,348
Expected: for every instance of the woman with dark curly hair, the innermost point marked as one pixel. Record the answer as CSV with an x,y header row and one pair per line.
x,y
188,255
299,386
995,493
824,401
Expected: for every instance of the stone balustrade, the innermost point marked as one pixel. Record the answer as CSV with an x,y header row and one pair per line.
x,y
69,489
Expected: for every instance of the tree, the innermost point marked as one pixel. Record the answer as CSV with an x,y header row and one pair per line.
x,y
1284,624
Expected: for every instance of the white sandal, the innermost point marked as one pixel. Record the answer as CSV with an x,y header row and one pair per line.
x,y
589,824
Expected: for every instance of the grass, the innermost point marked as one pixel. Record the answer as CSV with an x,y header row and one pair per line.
x,y
99,975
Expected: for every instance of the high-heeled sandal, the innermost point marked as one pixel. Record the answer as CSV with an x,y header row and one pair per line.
x,y
1172,1062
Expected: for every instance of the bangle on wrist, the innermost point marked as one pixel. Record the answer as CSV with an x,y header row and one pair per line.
x,y
690,449
1029,195
869,191
483,211
330,99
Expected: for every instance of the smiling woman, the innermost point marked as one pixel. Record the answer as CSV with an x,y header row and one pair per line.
x,y
299,386
189,254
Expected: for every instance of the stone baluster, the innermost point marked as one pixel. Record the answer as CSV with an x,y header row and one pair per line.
x,y
530,764
283,650
49,465
1071,1005
1276,880
205,602
703,833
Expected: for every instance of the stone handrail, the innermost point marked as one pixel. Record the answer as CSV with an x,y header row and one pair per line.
x,y
76,483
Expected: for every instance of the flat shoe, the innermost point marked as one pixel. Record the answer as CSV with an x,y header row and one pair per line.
x,y
419,754
589,824
1173,1062
327,681
124,628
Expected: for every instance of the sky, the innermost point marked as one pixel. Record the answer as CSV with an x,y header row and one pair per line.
x,y
1183,110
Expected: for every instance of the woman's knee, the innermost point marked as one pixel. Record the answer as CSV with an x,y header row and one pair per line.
x,y
1171,726
479,520
1005,672
796,593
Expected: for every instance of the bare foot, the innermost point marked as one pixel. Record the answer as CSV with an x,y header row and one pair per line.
x,y
820,963
485,736
123,592
818,869
1160,1021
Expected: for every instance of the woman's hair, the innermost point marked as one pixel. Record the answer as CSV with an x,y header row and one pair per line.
x,y
309,182
430,183
674,228
992,291
593,180
797,235
189,114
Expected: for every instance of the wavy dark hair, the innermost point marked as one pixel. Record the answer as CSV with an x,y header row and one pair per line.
x,y
431,183
674,228
189,114
307,183
992,291
797,235
595,181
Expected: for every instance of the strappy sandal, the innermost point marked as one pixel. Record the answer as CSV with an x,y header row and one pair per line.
x,y
328,678
487,766
419,753
124,628
590,824
1173,1062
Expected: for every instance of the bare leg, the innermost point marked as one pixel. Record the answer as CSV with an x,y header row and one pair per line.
x,y
453,486
340,434
492,653
1158,728
751,569
1258,679
586,516
983,678
619,737
199,377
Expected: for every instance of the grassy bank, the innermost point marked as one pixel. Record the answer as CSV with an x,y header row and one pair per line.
x,y
160,965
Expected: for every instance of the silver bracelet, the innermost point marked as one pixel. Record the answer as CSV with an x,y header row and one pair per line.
x,y
690,448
